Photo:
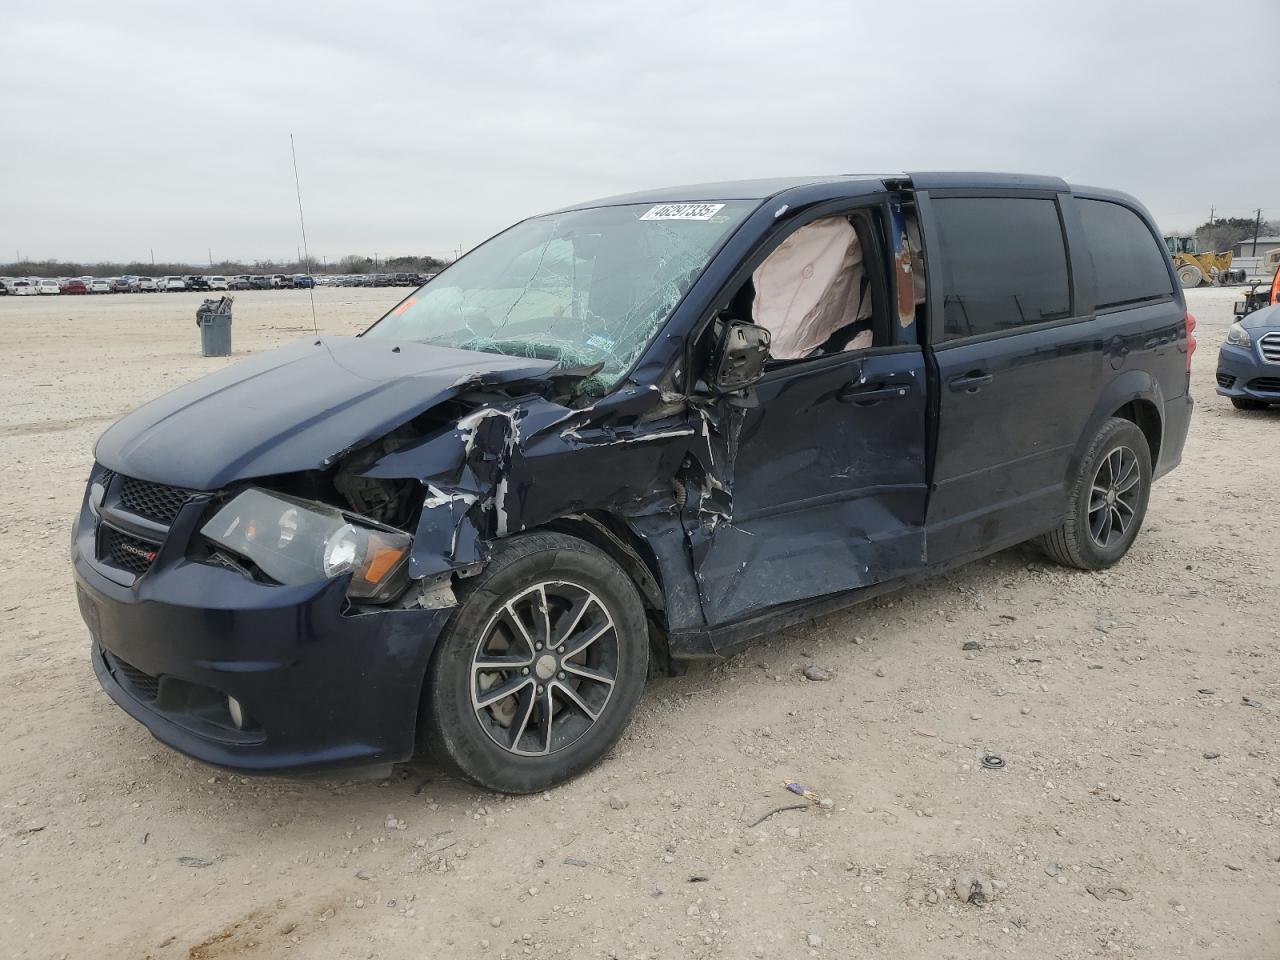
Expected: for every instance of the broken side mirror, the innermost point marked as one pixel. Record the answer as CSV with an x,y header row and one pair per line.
x,y
740,357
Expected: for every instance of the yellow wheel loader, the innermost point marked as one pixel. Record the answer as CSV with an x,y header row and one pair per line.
x,y
1194,268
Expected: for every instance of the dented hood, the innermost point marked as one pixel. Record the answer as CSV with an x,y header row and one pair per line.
x,y
295,408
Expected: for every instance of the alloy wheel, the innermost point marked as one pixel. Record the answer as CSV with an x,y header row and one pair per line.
x,y
1114,496
544,668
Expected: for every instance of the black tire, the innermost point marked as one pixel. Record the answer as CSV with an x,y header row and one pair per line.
x,y
1091,536
1248,403
1190,275
533,573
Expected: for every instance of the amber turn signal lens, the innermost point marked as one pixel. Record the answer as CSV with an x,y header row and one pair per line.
x,y
380,560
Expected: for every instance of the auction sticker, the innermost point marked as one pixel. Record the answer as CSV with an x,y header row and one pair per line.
x,y
683,211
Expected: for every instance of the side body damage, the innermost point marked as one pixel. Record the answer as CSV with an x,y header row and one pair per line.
x,y
660,471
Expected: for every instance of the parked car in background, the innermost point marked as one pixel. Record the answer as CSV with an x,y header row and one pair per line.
x,y
196,282
99,285
23,288
260,283
4,286
171,284
303,282
124,285
218,283
239,283
48,286
1249,361
148,285
75,286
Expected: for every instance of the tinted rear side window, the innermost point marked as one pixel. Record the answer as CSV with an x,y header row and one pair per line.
x,y
1128,261
1003,263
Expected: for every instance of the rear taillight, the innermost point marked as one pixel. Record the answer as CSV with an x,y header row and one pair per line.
x,y
1191,338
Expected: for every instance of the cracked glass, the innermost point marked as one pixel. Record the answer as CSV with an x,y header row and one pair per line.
x,y
579,288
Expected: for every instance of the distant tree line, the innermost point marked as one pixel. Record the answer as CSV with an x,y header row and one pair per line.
x,y
1222,234
352,263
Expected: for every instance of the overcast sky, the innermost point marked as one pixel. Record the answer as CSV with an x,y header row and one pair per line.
x,y
132,127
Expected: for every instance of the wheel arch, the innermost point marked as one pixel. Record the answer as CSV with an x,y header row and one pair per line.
x,y
1135,396
617,538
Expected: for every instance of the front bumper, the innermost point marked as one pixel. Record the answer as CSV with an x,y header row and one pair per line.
x,y
1242,373
321,686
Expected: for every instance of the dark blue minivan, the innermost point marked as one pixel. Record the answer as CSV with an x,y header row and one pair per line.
x,y
618,437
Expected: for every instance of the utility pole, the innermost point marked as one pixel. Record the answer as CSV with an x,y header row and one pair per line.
x,y
153,256
1257,225
1211,211
211,256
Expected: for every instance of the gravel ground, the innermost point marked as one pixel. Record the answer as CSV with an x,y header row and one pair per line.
x,y
1137,814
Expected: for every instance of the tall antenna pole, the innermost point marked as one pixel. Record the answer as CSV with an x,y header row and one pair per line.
x,y
303,223
1257,225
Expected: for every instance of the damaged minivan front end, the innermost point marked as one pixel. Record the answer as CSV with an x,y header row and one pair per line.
x,y
266,558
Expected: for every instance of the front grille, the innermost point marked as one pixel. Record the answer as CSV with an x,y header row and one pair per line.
x,y
141,685
1226,381
155,501
1265,384
125,552
104,476
1270,347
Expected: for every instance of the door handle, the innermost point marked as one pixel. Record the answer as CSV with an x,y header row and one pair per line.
x,y
971,382
866,394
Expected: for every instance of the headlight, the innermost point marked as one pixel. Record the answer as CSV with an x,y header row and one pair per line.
x,y
1238,336
298,541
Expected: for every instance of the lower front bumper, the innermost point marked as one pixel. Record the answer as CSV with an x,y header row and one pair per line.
x,y
1243,375
321,687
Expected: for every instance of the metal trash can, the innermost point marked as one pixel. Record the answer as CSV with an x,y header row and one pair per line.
x,y
213,317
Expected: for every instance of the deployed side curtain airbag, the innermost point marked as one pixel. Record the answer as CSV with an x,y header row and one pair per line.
x,y
809,287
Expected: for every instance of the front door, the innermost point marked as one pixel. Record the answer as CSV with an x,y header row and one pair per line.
x,y
829,484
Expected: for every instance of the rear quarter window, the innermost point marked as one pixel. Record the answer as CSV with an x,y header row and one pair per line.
x,y
1003,263
1128,261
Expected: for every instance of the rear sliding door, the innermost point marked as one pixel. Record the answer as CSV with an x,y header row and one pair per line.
x,y
1018,360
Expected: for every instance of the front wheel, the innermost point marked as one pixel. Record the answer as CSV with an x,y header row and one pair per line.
x,y
539,668
1108,502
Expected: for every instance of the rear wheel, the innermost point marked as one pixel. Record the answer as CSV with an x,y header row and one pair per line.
x,y
1108,502
540,666
1248,403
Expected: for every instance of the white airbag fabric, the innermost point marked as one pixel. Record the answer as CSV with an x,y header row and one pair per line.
x,y
809,287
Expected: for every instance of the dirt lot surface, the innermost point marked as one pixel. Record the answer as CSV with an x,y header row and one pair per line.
x,y
1138,814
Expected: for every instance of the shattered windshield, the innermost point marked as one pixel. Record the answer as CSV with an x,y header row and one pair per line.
x,y
580,288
